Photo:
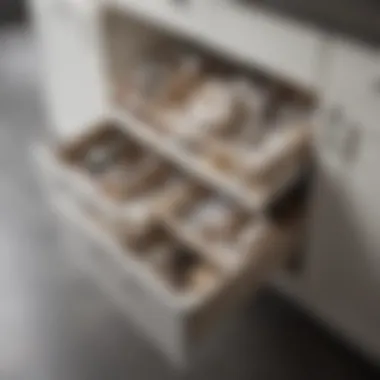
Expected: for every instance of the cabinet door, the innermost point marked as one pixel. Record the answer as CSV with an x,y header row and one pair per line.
x,y
344,257
71,67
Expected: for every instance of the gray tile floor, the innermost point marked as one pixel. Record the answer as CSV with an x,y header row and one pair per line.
x,y
55,324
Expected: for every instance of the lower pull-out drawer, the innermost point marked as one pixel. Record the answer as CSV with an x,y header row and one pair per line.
x,y
179,327
175,280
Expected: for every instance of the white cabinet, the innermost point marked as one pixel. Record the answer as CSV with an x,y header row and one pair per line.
x,y
71,64
340,281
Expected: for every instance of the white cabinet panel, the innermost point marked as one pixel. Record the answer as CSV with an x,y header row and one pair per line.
x,y
343,263
68,36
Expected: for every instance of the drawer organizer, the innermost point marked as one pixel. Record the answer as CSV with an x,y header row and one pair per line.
x,y
238,131
192,251
173,188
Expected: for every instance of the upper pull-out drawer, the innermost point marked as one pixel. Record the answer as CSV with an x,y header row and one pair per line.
x,y
176,255
241,131
182,326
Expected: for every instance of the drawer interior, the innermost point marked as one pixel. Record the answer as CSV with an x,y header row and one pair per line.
x,y
107,156
239,125
211,220
164,216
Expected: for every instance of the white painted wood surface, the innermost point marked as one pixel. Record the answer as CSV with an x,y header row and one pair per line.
x,y
69,41
341,278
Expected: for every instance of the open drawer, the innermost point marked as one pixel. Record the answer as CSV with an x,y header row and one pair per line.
x,y
234,128
177,256
180,321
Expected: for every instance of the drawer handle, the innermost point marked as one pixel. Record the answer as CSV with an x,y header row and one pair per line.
x,y
336,115
351,144
62,8
333,127
180,3
376,86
